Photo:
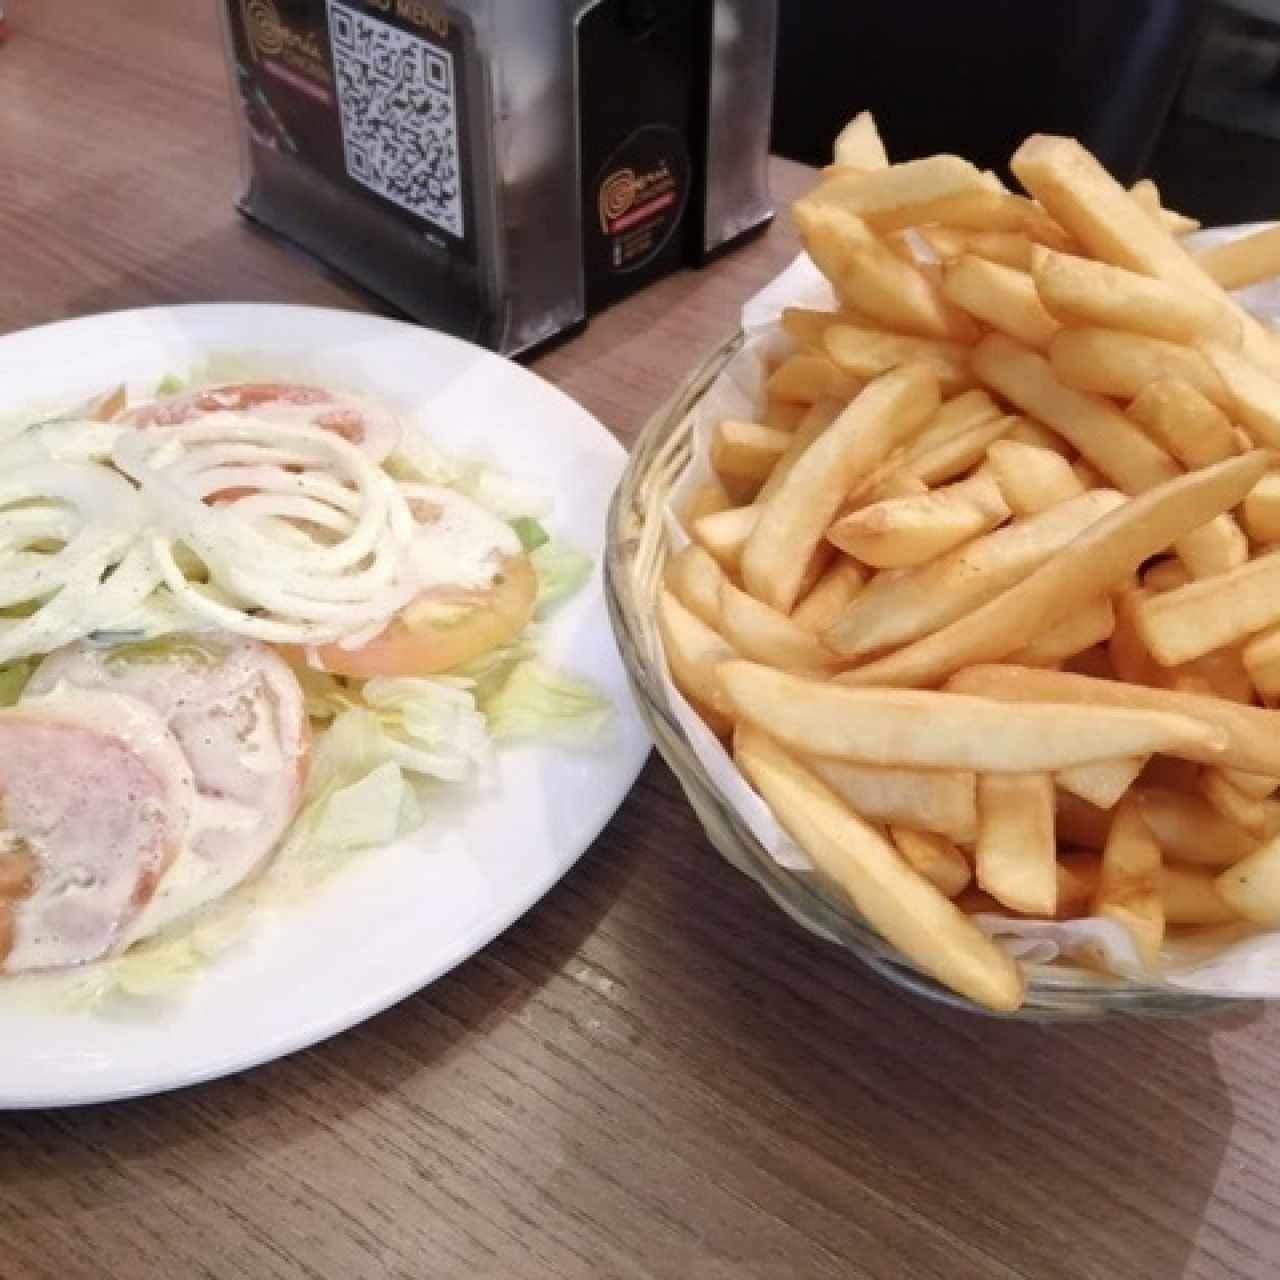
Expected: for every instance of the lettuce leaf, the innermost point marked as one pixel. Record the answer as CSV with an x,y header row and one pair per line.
x,y
161,966
562,570
539,702
13,680
417,461
530,532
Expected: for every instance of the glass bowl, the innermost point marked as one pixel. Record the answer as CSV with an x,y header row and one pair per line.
x,y
637,549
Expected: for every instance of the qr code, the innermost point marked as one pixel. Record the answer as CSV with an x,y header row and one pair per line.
x,y
398,105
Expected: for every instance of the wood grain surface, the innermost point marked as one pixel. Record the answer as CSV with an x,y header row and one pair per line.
x,y
654,1074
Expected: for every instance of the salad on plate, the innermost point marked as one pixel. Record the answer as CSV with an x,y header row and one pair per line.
x,y
246,631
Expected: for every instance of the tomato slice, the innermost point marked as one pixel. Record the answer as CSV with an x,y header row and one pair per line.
x,y
421,648
373,429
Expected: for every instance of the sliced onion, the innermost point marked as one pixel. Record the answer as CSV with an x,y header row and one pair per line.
x,y
286,588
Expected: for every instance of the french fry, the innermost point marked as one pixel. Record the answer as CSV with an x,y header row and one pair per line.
x,y
1080,823
906,195
883,416
1251,888
938,800
1250,813
977,902
1261,511
1190,896
724,533
1095,662
817,419
808,326
1241,263
1015,859
783,415
1102,784
1032,479
809,377
746,450
1129,888
900,532
956,417
895,900
1165,575
1223,674
1191,621
1107,439
1257,785
935,858
859,145
961,453
1079,193
1188,829
1187,423
1109,362
694,652
705,500
1127,649
1254,393
830,596
896,609
868,353
1218,546
1009,248
764,635
1037,434
998,210
928,730
899,484
1081,292
1252,735
1147,194
870,278
1088,474
1262,661
1000,296
1078,871
695,576
1091,624
1095,563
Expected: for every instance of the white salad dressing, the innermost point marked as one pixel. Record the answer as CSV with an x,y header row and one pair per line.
x,y
235,711
98,794
458,543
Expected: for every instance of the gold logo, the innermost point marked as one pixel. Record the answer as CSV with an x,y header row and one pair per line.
x,y
271,37
617,195
266,31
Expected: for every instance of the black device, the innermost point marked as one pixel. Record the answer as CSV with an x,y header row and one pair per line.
x,y
499,169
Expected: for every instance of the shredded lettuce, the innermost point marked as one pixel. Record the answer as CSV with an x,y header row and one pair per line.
x,y
562,570
162,966
416,461
13,680
530,532
537,701
170,385
487,674
347,816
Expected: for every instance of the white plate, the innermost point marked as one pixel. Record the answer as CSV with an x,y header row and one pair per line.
x,y
398,918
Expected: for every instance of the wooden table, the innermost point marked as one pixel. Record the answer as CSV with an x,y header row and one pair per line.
x,y
654,1074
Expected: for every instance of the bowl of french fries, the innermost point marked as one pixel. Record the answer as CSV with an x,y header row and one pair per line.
x,y
963,633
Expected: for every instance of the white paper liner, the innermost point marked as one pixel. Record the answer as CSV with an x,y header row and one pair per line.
x,y
1236,961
